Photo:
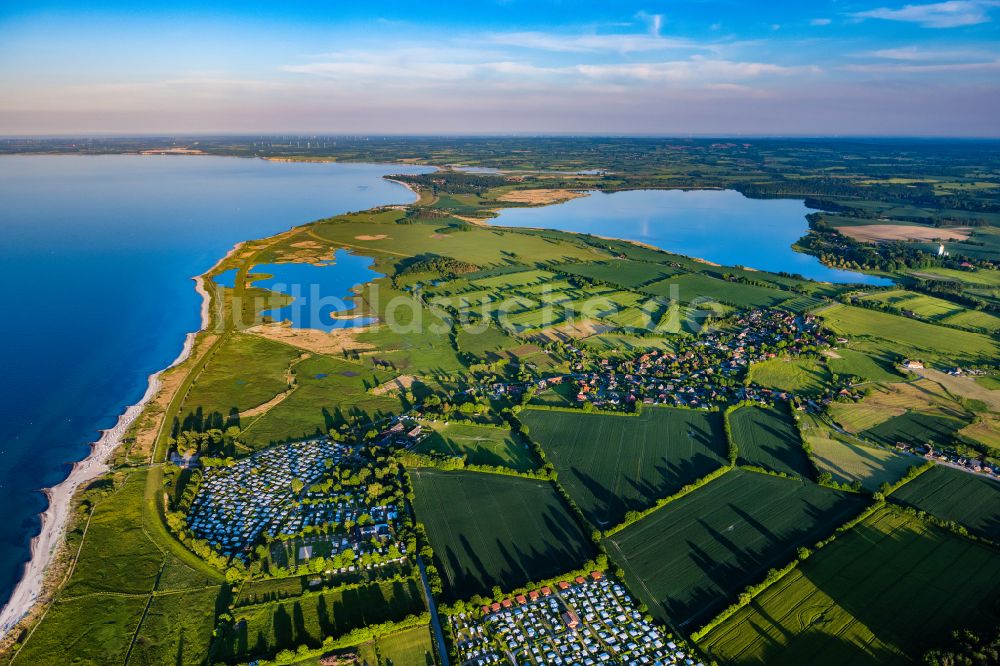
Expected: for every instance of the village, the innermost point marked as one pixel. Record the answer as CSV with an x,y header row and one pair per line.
x,y
592,620
702,372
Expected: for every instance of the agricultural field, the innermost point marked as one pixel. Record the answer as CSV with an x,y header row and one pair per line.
x,y
624,273
410,647
868,367
916,428
971,500
936,309
909,412
882,593
696,286
989,382
264,629
801,376
479,445
614,464
848,460
903,336
767,437
689,559
487,343
488,530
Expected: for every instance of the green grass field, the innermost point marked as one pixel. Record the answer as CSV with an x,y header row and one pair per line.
x,y
624,273
126,561
614,464
904,336
262,630
175,631
971,500
410,647
695,286
801,376
847,460
882,593
117,556
689,559
479,445
491,530
766,437
916,428
89,631
990,382
246,372
937,309
330,392
867,367
488,343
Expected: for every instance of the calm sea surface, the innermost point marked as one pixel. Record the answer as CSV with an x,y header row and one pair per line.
x,y
718,225
97,255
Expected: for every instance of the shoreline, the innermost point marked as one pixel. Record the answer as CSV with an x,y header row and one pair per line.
x,y
46,544
29,589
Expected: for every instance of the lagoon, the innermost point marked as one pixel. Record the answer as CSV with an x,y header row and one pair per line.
x,y
98,254
721,226
320,291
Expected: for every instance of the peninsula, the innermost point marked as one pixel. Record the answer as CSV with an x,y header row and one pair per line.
x,y
509,444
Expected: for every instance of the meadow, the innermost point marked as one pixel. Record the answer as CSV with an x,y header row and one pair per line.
x,y
869,367
908,337
848,461
69,624
937,309
971,500
910,412
624,273
128,561
117,556
692,287
689,559
478,444
767,437
263,630
409,647
329,392
245,372
171,632
882,593
488,530
802,376
611,465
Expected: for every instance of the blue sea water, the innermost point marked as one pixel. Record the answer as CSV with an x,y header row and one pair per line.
x,y
320,291
97,253
721,226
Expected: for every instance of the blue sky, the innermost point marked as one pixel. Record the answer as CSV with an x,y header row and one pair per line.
x,y
717,67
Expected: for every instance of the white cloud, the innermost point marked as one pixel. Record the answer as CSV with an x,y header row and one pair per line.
x,y
445,68
611,43
919,54
950,14
820,21
925,68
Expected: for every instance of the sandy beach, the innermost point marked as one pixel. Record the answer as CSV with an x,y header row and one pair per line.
x,y
55,517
